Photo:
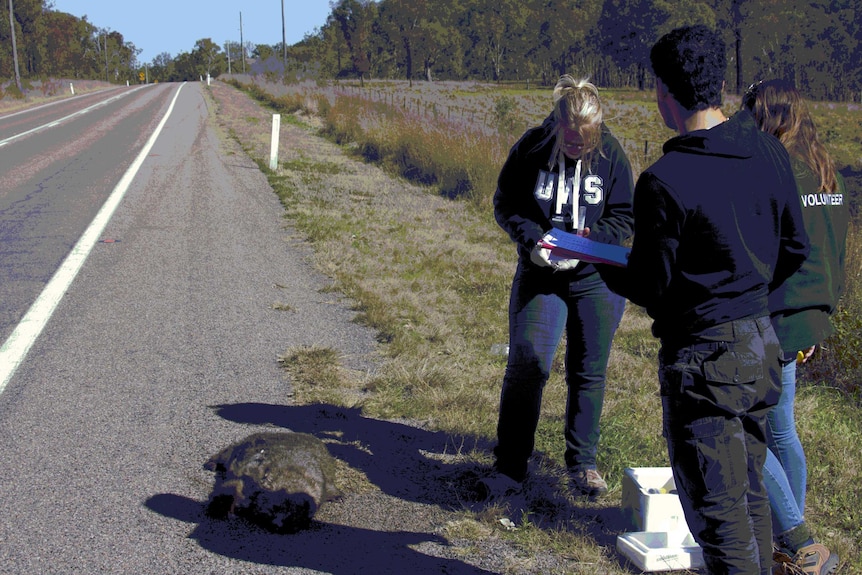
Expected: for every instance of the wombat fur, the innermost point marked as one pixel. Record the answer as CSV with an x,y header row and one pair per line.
x,y
275,480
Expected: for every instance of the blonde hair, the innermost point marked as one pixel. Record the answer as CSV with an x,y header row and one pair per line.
x,y
779,110
577,106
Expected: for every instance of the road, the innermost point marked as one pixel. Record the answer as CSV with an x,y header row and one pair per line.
x,y
188,293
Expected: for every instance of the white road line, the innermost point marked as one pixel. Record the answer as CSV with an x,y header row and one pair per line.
x,y
15,348
69,117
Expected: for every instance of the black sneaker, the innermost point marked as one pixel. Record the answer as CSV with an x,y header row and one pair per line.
x,y
588,482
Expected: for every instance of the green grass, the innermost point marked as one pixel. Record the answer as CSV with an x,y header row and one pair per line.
x,y
431,275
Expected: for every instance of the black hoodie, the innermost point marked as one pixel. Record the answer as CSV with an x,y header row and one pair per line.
x,y
718,226
526,201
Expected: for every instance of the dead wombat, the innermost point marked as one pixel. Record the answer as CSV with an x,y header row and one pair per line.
x,y
275,480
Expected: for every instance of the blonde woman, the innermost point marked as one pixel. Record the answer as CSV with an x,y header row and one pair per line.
x,y
800,309
570,166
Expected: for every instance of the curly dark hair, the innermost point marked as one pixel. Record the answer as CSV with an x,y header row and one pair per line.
x,y
691,62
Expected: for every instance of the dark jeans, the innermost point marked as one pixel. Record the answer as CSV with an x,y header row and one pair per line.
x,y
717,389
541,306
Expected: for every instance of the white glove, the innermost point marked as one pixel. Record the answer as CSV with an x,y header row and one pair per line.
x,y
541,257
563,264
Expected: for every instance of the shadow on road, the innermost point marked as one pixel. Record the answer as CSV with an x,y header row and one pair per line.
x,y
335,549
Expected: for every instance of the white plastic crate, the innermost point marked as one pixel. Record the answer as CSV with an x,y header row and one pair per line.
x,y
655,551
650,502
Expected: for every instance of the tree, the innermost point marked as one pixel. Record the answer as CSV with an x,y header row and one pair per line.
x,y
492,25
399,22
355,19
162,67
206,53
630,28
558,29
421,32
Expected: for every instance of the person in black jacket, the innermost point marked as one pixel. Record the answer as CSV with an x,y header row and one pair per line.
x,y
801,308
718,226
571,174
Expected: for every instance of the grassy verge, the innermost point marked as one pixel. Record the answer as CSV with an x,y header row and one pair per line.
x,y
432,276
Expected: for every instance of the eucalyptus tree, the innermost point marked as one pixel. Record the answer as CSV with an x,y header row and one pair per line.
x,y
401,25
328,48
494,29
558,30
438,36
23,18
813,44
65,46
162,67
119,56
354,19
208,56
626,32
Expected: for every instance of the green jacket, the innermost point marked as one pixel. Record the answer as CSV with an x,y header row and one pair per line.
x,y
801,307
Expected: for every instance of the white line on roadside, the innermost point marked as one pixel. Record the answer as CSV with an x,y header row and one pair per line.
x,y
15,348
69,117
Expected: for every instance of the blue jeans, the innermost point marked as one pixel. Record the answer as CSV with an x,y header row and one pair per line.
x,y
541,306
785,471
717,388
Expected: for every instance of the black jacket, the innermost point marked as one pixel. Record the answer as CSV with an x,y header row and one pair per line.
x,y
526,201
718,226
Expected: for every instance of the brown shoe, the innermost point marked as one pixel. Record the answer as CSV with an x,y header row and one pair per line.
x,y
588,482
816,559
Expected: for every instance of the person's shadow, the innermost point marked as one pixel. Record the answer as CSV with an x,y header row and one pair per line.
x,y
403,461
335,549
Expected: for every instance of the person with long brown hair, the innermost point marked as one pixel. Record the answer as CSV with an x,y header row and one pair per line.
x,y
800,310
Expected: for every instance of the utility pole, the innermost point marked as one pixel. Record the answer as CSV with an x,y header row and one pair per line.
x,y
283,40
106,56
241,44
227,49
14,46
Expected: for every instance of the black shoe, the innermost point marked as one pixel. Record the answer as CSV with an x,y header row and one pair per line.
x,y
496,486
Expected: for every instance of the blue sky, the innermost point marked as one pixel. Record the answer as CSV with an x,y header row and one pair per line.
x,y
173,26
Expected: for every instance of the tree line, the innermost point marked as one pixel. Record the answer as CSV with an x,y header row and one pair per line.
x,y
816,44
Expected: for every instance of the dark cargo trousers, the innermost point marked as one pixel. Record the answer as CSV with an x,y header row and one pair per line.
x,y
717,388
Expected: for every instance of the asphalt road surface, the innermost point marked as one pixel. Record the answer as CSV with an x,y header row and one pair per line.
x,y
177,306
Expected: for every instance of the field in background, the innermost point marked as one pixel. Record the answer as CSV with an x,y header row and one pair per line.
x,y
438,300
455,136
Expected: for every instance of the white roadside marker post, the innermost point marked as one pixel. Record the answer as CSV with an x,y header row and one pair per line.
x,y
273,149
